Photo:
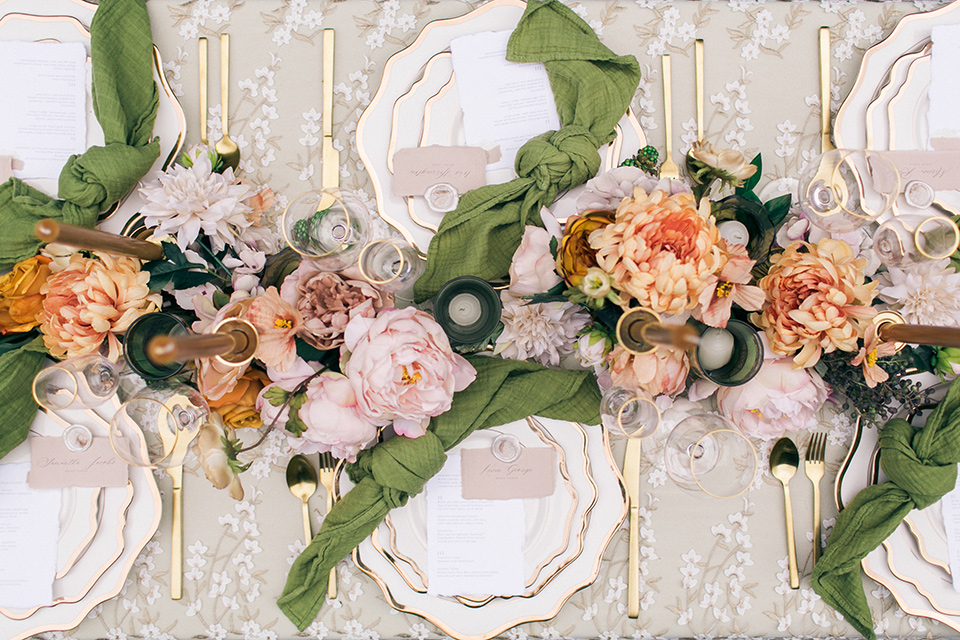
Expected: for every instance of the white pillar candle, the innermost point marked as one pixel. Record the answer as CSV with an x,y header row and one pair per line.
x,y
734,232
465,309
715,349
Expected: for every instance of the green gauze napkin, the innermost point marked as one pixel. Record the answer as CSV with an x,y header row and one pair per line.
x,y
592,89
17,370
125,101
387,475
922,467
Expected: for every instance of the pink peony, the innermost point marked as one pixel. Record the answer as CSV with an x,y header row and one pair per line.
x,y
663,371
334,421
402,368
532,267
288,381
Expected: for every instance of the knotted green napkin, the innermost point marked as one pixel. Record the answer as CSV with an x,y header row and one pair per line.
x,y
922,467
592,89
17,370
125,102
393,471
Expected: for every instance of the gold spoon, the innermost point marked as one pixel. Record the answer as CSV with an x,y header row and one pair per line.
x,y
225,147
784,461
302,481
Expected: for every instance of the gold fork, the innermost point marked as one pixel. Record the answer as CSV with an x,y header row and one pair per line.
x,y
327,467
813,466
669,168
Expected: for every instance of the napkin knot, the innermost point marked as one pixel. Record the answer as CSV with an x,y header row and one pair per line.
x,y
401,466
559,160
923,479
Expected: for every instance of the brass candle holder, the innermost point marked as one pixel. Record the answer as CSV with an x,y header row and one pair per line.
x,y
49,230
233,342
640,331
892,328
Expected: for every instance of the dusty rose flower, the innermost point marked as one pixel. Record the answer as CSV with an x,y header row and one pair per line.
x,y
815,296
731,285
662,371
93,300
532,266
661,249
607,190
871,350
780,398
278,323
208,447
327,301
402,368
334,421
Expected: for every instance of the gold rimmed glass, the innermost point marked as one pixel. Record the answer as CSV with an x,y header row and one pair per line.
x,y
912,239
83,382
390,264
329,226
706,454
629,414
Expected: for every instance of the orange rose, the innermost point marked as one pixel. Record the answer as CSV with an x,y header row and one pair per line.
x,y
575,256
238,406
20,299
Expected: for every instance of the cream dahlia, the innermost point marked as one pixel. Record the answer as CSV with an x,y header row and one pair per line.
x,y
541,332
928,293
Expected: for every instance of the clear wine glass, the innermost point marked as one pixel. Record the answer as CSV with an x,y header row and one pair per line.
x,y
629,414
911,239
390,264
83,382
706,454
329,226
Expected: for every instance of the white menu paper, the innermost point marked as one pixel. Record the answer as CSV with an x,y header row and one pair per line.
x,y
474,547
943,119
504,103
29,531
43,118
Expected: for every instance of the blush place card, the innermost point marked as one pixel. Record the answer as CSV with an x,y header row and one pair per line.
x,y
419,168
53,466
532,475
939,169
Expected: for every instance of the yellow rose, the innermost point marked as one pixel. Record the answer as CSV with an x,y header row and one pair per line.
x,y
20,298
238,406
575,255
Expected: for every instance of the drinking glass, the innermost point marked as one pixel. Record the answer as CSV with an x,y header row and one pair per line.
x,y
152,428
911,239
846,189
706,454
330,227
83,382
390,264
629,414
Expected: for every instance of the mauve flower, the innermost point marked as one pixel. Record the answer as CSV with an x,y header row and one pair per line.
x,y
816,295
607,190
731,285
327,301
93,300
660,250
798,228
542,331
532,266
661,371
926,293
402,368
334,420
780,398
278,323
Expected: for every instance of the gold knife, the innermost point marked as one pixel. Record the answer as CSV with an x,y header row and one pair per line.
x,y
631,477
330,157
825,131
203,56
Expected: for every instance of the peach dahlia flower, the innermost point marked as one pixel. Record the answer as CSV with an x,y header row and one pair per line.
x,y
661,249
816,295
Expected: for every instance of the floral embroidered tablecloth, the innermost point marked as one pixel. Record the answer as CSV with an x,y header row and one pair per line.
x,y
709,568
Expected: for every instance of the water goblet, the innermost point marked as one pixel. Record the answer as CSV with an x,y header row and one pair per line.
x,y
330,227
83,382
911,239
706,454
629,414
390,264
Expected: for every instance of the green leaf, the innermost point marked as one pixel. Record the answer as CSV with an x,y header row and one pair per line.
x,y
276,396
295,425
220,299
177,269
777,209
232,449
311,353
554,243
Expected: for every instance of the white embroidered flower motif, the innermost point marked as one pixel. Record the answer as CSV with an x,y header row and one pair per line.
x,y
542,332
187,200
928,293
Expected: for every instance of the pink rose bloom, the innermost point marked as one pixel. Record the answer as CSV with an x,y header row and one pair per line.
x,y
532,267
334,421
663,371
780,398
288,381
402,368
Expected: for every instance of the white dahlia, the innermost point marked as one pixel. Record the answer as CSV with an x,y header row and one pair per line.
x,y
927,293
541,332
186,200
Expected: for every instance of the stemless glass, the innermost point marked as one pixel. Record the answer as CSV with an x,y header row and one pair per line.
x,y
390,264
846,189
629,414
705,453
83,382
151,428
139,334
911,239
330,227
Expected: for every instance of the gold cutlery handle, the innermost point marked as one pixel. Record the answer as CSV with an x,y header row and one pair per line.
x,y
332,578
667,108
633,564
791,542
203,55
176,546
307,534
817,544
328,48
224,82
825,144
698,63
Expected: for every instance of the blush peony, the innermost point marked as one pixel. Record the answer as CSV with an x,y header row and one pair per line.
x,y
334,421
402,368
660,372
